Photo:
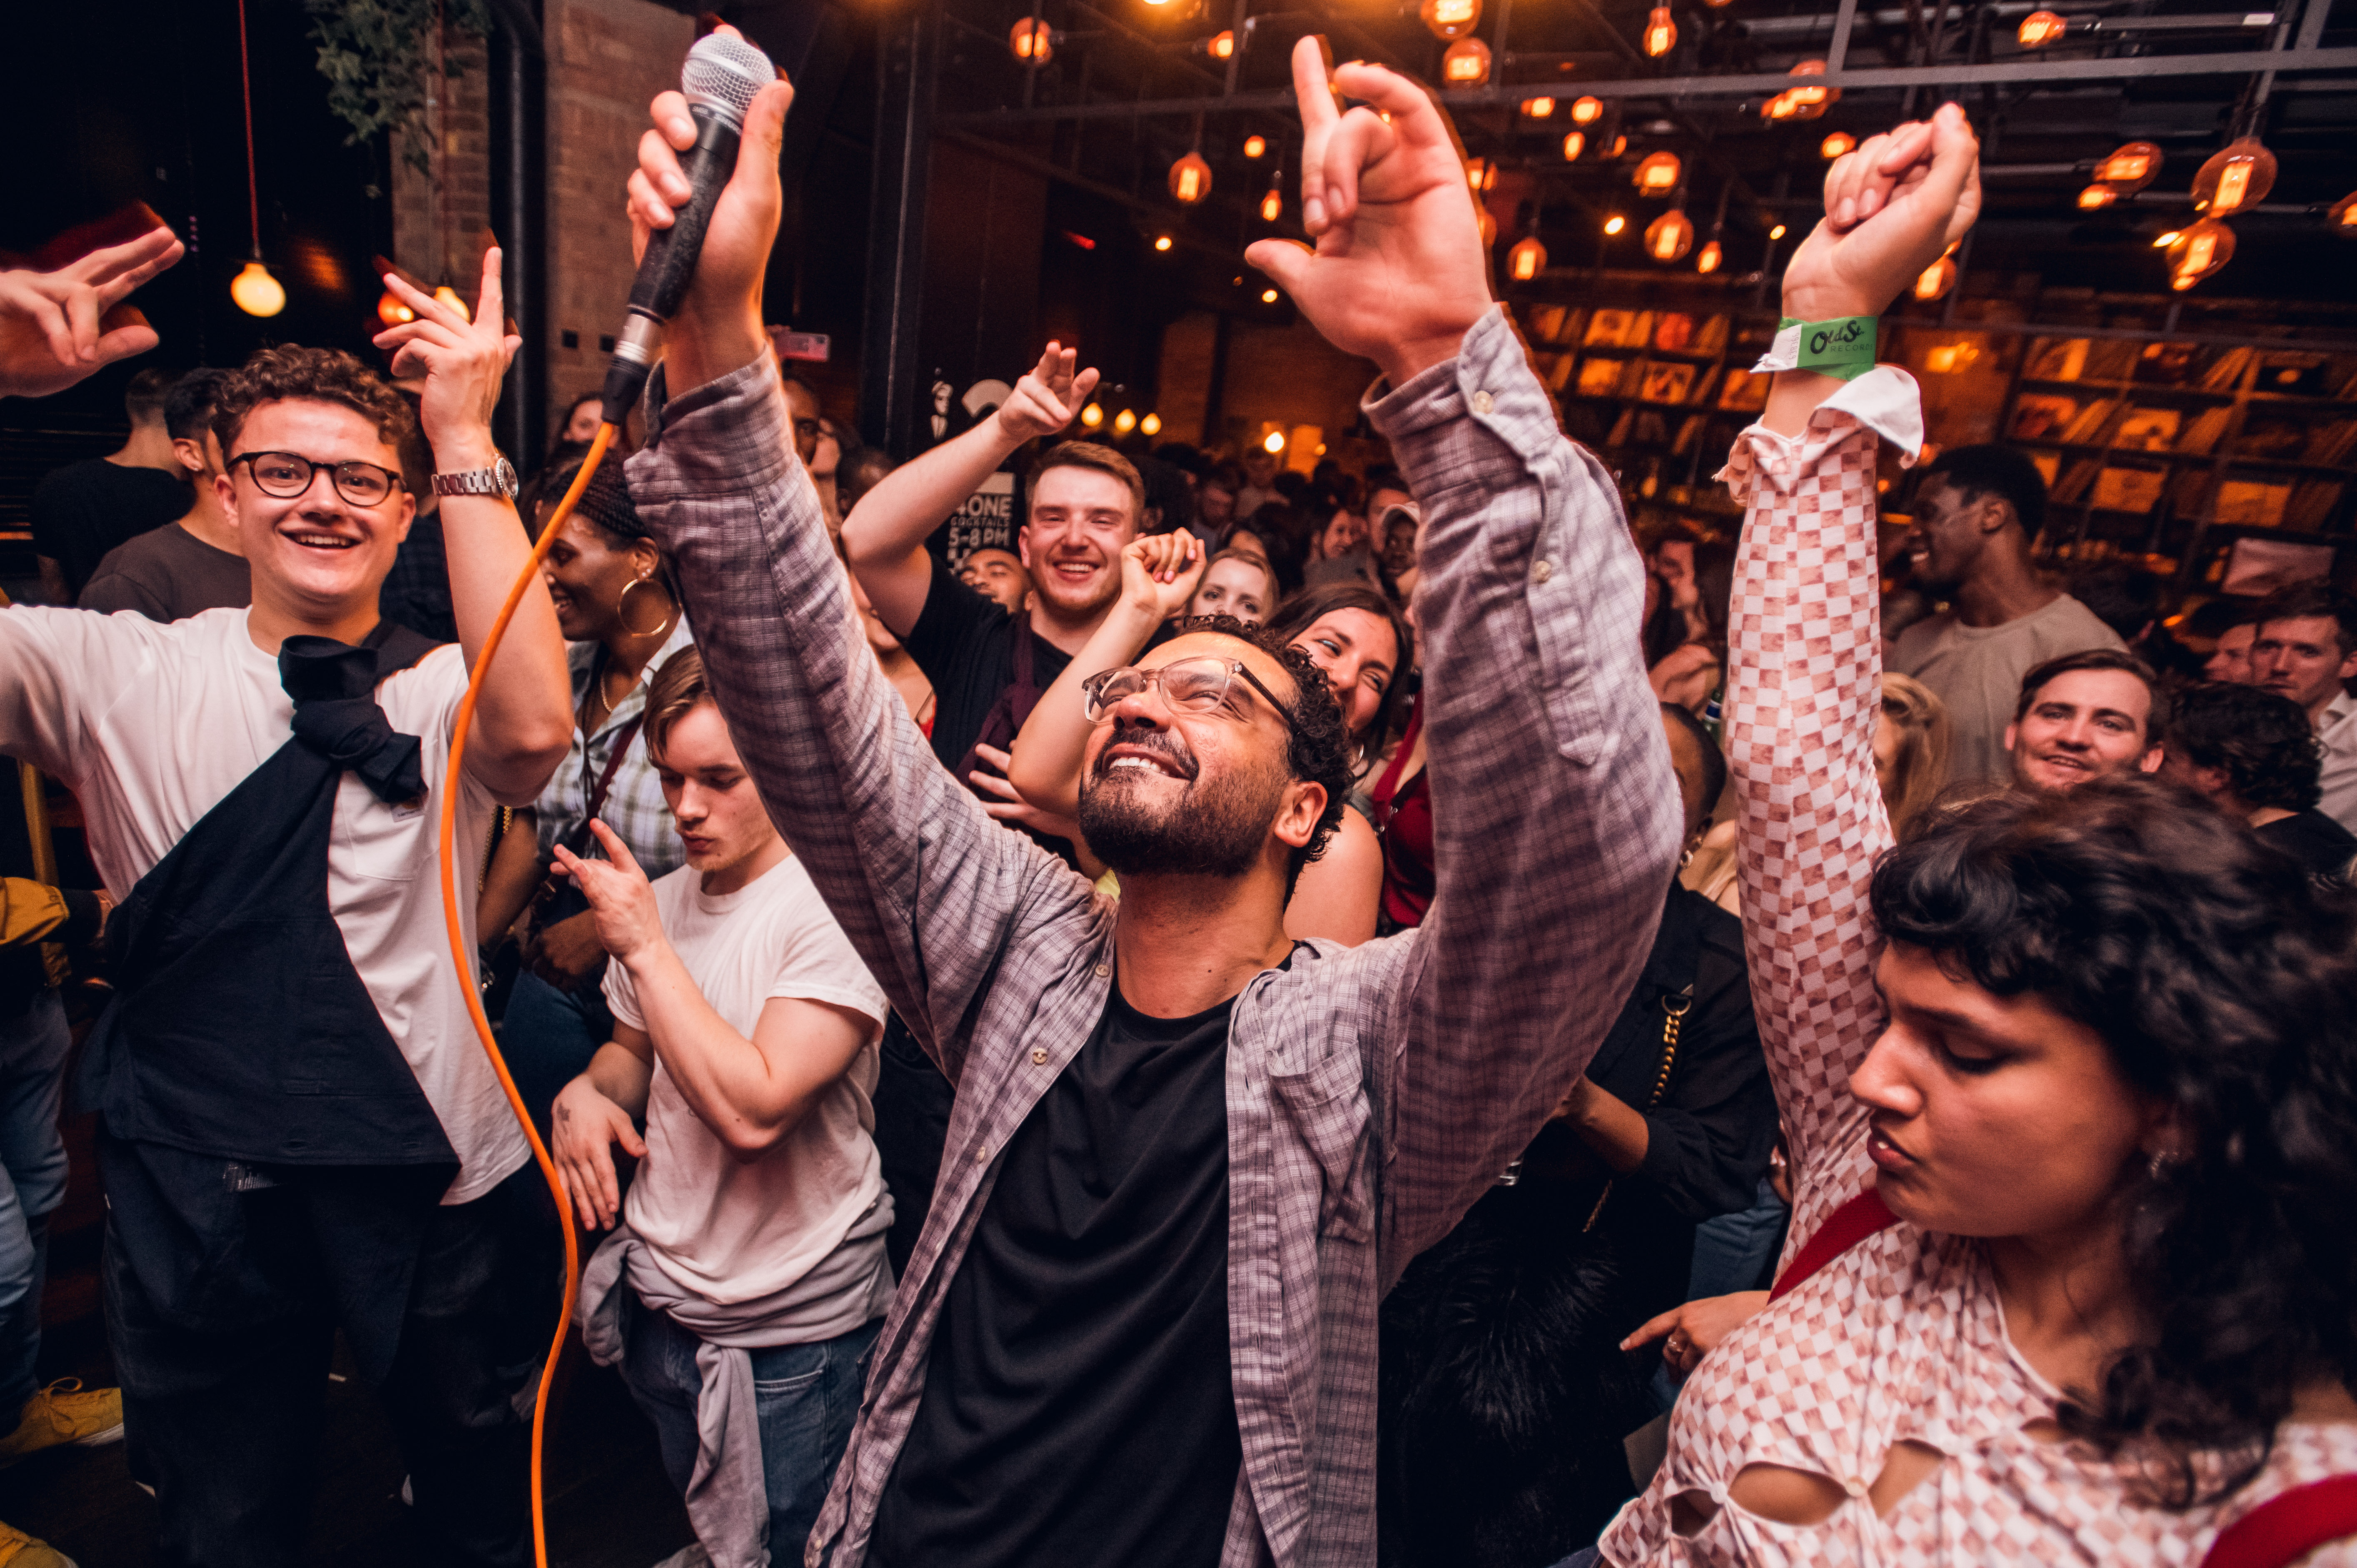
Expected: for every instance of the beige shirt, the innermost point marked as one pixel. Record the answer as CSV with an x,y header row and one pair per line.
x,y
1977,671
2339,734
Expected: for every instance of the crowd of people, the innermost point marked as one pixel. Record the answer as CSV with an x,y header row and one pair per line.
x,y
1297,1017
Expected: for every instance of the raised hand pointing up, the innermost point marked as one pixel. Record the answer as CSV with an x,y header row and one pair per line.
x,y
1892,207
1046,400
1399,272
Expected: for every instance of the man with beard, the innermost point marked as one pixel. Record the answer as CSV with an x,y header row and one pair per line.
x,y
1188,1155
1976,512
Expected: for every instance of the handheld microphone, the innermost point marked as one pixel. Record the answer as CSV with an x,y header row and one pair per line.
x,y
720,79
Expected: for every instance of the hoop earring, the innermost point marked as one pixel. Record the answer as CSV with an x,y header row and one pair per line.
x,y
622,608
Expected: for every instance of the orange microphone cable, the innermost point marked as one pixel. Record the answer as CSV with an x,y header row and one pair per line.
x,y
469,983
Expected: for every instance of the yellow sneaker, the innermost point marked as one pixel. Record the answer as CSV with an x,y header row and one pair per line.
x,y
62,1413
18,1550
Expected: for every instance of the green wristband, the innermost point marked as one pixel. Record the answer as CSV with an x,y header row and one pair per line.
x,y
1843,349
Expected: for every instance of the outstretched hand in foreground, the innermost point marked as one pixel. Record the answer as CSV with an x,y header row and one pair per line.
x,y
58,326
1399,273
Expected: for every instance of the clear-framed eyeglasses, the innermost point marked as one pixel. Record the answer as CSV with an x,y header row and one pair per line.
x,y
1196,685
289,474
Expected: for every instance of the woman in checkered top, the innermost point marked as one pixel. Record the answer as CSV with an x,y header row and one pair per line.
x,y
2092,1052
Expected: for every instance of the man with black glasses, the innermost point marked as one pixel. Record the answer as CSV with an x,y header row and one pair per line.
x,y
1188,1155
299,1132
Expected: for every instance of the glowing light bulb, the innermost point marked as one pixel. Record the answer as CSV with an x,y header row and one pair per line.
x,y
1838,144
1162,242
1151,424
1190,178
1538,108
1481,174
1936,279
1587,111
1668,237
256,291
392,312
1222,45
1032,41
1268,296
2097,196
1273,443
1526,260
2040,28
1573,145
1124,422
1270,206
1777,232
1449,20
1092,417
2165,241
1657,175
2238,177
1660,32
1255,146
1710,258
2129,168
447,297
1465,63
2200,249
1614,224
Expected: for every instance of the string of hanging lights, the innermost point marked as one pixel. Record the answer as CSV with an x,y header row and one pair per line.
x,y
254,290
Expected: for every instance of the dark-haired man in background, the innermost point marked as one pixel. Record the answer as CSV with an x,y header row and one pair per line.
x,y
2306,649
1977,510
196,564
84,510
1139,1326
2096,715
2254,755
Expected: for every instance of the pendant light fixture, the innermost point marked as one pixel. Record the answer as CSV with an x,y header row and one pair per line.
x,y
1538,108
1807,100
1465,63
1481,175
2096,196
1527,258
1032,40
1660,32
1255,146
1450,19
254,290
2200,247
1614,224
1190,179
2130,169
2235,178
1668,237
1573,145
1587,110
2040,28
1834,146
1657,175
1712,254
1220,45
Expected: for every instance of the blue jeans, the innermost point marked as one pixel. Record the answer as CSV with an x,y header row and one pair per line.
x,y
807,1396
32,1184
548,1037
1735,1252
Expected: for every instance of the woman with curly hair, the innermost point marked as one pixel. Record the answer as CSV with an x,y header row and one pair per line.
x,y
2065,1080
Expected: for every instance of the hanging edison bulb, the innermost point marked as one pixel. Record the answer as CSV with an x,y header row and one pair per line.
x,y
1450,19
2201,248
2130,169
1538,108
1481,174
1526,260
1124,422
1668,237
2235,178
1711,256
1465,63
1779,108
1573,145
1838,144
256,291
448,298
2343,218
1657,175
1614,224
1221,46
1033,41
1777,232
2097,197
1936,280
2040,28
1151,424
1587,111
1255,146
1190,178
1810,99
1092,416
392,312
1660,32
1271,205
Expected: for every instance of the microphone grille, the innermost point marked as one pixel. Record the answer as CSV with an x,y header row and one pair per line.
x,y
723,73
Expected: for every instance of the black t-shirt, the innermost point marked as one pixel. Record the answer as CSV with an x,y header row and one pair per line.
x,y
169,574
84,510
2313,839
966,645
1078,1408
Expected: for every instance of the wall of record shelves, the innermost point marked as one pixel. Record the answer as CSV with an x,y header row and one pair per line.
x,y
2165,442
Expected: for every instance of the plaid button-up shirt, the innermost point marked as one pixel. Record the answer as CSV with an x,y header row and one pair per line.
x,y
1373,1092
634,805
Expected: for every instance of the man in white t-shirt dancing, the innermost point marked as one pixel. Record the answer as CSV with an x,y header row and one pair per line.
x,y
299,1133
748,1278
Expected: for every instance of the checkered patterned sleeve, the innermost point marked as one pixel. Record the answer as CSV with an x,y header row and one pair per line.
x,y
1804,636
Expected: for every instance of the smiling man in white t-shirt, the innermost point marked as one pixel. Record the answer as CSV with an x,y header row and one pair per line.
x,y
747,1277
299,1134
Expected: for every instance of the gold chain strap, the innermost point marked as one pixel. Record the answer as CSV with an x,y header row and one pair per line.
x,y
1674,1008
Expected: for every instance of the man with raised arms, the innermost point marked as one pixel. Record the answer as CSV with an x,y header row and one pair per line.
x,y
1188,1155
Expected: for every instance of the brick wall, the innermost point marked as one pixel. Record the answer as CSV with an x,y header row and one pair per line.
x,y
439,222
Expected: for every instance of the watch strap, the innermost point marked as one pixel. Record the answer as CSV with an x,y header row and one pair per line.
x,y
498,480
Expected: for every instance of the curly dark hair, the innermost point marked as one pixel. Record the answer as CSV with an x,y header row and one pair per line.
x,y
1300,612
311,375
2261,740
1320,750
2223,983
